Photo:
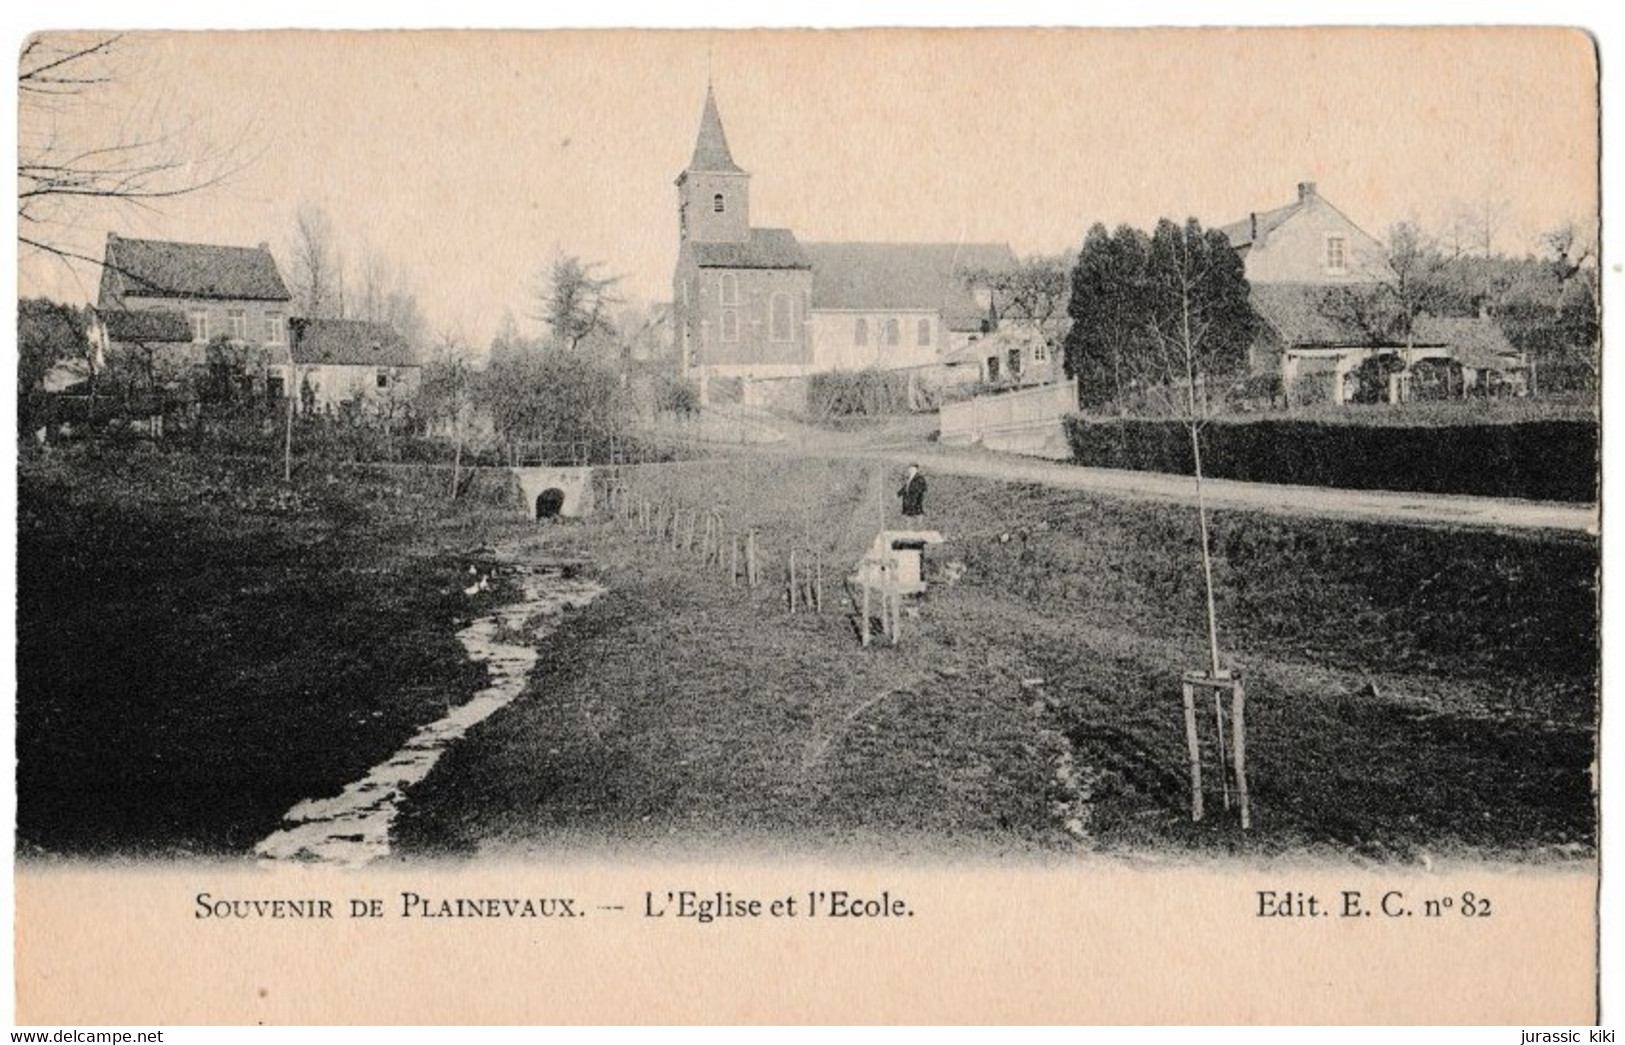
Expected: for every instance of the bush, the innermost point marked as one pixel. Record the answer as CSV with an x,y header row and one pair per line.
x,y
1549,460
859,393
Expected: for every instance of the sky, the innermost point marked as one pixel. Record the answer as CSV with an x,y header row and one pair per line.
x,y
469,160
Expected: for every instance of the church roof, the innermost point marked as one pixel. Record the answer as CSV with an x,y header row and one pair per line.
x,y
711,146
905,276
766,249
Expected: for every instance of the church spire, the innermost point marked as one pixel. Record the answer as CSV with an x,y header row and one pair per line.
x,y
711,147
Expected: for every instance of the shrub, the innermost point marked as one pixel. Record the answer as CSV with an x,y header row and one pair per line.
x,y
1554,460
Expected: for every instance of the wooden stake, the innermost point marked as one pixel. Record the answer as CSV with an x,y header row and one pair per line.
x,y
751,575
818,582
1218,726
792,580
733,559
1238,750
1195,751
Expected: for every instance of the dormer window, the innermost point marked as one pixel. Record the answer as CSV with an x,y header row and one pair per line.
x,y
1337,255
716,204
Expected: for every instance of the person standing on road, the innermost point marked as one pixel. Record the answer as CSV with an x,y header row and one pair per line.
x,y
913,492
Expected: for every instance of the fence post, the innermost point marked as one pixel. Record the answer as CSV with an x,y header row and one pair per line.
x,y
1238,749
733,559
792,580
1195,749
750,559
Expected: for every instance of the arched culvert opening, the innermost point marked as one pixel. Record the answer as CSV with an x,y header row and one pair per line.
x,y
549,503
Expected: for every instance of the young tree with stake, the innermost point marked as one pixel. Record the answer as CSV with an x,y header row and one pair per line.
x,y
1200,323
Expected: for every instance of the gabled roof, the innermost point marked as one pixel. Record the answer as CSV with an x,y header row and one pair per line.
x,y
711,145
159,325
1259,225
348,342
766,249
158,268
905,277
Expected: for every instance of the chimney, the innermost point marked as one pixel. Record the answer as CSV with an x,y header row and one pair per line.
x,y
1253,217
1306,191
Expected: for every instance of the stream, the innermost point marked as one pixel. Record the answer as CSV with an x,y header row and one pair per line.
x,y
352,828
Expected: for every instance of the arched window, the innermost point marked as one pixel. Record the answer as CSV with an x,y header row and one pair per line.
x,y
780,325
924,335
894,332
728,289
716,203
860,332
730,326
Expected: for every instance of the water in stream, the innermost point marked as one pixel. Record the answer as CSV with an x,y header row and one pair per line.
x,y
352,828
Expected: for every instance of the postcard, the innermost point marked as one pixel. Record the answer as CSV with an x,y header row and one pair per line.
x,y
789,526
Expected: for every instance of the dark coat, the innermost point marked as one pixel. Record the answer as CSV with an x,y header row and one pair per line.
x,y
913,495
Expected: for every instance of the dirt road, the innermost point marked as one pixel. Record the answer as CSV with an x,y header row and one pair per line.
x,y
907,443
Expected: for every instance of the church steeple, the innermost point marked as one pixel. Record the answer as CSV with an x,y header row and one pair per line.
x,y
711,147
713,194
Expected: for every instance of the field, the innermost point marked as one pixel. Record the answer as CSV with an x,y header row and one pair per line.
x,y
200,647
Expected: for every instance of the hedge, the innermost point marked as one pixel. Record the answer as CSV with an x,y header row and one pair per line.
x,y
1534,460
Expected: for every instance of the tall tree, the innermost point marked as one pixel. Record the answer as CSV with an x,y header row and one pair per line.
x,y
574,301
1108,331
314,266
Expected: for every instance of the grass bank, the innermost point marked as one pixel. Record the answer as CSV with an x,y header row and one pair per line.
x,y
1412,691
201,646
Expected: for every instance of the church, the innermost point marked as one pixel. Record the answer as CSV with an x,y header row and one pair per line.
x,y
756,302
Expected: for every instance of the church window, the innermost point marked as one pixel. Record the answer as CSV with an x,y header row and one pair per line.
x,y
717,204
924,335
780,327
730,325
894,332
728,289
860,332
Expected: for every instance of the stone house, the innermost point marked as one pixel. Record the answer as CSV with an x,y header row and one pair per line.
x,y
211,289
335,364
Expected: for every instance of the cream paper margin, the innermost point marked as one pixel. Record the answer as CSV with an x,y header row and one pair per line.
x,y
1090,941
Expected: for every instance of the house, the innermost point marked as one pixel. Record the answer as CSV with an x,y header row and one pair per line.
x,y
755,302
1014,354
1307,242
1321,352
1310,269
236,291
338,364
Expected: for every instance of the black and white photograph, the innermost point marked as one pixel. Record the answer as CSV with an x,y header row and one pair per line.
x,y
798,476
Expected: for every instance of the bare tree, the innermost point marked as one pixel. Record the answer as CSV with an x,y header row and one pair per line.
x,y
315,264
1196,299
72,161
1034,293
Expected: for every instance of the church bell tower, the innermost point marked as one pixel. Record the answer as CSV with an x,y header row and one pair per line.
x,y
713,194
